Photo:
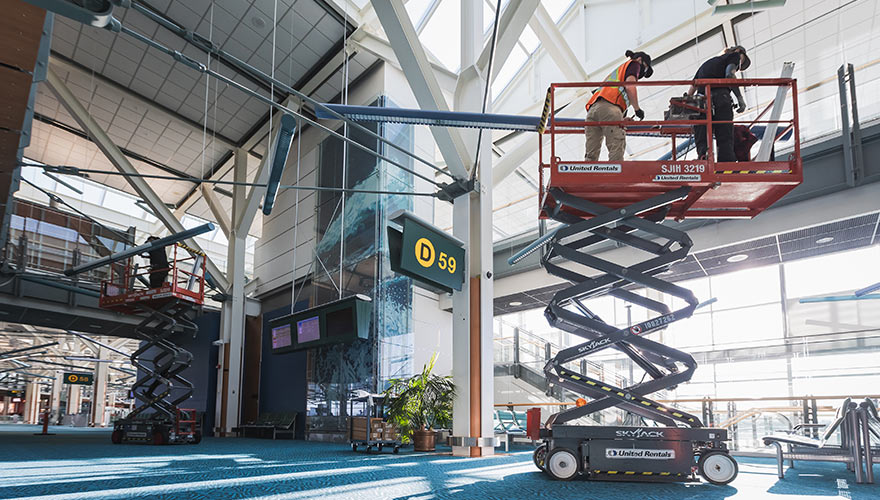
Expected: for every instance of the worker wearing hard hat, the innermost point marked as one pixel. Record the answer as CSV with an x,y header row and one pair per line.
x,y
609,104
724,66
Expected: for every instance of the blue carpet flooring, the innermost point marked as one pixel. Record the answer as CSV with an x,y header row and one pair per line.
x,y
83,464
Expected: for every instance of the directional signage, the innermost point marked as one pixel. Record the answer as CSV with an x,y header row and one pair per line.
x,y
426,253
79,378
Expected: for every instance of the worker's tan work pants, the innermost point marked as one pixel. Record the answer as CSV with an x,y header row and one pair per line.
x,y
615,137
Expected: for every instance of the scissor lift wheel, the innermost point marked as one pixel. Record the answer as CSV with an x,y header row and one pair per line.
x,y
717,467
562,464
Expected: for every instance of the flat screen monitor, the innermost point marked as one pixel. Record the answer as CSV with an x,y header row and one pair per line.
x,y
308,330
340,323
281,337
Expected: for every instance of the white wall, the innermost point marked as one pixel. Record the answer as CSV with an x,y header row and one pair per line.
x,y
432,329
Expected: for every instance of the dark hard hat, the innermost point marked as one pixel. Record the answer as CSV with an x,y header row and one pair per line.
x,y
742,50
647,71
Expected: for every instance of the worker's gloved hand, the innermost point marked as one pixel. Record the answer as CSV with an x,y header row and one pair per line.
x,y
640,114
741,106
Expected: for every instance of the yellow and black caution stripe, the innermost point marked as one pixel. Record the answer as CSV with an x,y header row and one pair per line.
x,y
545,114
191,250
620,394
753,171
637,473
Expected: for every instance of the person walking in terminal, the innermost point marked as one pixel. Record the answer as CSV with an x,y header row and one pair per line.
x,y
158,265
724,66
610,104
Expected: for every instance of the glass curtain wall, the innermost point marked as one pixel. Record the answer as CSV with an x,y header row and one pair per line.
x,y
352,258
757,340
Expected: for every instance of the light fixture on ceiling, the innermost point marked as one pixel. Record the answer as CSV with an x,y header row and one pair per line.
x,y
258,22
826,239
737,258
515,303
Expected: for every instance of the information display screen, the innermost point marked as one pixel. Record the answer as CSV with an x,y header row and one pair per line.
x,y
308,330
340,321
281,337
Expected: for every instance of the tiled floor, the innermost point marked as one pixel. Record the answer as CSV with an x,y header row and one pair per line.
x,y
83,464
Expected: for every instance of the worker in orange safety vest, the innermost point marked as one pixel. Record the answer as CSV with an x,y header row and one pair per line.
x,y
609,104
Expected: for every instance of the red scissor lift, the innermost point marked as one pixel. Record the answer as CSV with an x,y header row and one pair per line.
x,y
626,203
170,310
720,189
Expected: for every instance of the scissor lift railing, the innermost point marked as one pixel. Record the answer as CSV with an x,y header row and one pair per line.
x,y
719,189
627,203
171,309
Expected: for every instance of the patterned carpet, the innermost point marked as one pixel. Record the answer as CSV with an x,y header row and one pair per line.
x,y
83,464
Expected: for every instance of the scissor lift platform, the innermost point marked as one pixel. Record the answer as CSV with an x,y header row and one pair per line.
x,y
626,202
718,189
170,310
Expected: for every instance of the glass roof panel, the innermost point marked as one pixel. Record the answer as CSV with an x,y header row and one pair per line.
x,y
442,34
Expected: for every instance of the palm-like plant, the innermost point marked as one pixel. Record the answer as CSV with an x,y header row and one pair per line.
x,y
421,402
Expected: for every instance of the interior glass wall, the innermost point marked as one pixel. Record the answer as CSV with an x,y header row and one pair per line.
x,y
352,258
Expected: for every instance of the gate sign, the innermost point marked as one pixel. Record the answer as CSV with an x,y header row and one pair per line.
x,y
426,253
79,378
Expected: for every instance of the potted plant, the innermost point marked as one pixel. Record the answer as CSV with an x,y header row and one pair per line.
x,y
419,404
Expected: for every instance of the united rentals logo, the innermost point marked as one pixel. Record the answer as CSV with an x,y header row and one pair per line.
x,y
595,344
663,454
640,433
590,168
677,178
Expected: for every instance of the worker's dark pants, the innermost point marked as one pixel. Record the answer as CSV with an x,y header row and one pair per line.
x,y
722,109
157,278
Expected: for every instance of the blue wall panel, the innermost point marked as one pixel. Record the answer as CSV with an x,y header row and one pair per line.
x,y
283,376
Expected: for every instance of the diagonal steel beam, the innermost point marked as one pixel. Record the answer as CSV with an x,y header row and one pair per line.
x,y
216,208
514,18
412,58
112,152
556,45
574,102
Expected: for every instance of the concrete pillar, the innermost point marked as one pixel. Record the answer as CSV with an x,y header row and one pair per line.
x,y
74,399
55,399
99,391
32,403
472,222
233,314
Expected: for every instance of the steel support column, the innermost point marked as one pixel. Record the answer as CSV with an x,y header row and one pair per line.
x,y
232,317
120,161
472,332
32,402
99,391
55,400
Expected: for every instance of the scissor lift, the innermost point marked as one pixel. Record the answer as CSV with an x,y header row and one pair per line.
x,y
171,309
626,203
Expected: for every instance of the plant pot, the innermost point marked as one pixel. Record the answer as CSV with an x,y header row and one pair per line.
x,y
423,440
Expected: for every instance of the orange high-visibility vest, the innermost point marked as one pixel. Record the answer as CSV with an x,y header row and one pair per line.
x,y
614,95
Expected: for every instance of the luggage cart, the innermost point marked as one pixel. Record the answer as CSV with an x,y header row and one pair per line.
x,y
370,431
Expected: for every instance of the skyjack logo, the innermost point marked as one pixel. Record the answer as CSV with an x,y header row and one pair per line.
x,y
640,433
594,345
